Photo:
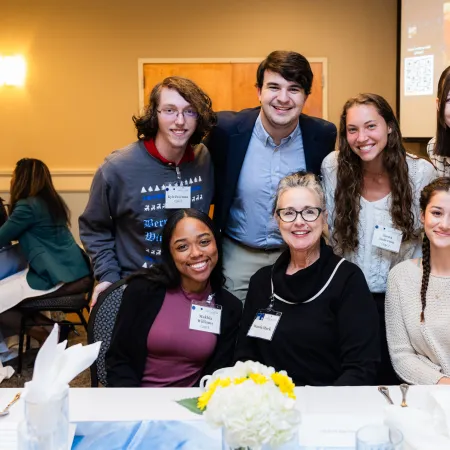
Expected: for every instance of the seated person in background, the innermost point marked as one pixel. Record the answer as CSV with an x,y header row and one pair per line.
x,y
39,220
311,313
155,343
417,308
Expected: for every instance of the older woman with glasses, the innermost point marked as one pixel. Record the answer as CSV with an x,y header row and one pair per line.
x,y
311,313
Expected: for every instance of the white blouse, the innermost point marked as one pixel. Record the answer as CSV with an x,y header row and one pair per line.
x,y
442,163
374,261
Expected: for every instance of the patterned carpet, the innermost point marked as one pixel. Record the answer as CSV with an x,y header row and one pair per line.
x,y
82,380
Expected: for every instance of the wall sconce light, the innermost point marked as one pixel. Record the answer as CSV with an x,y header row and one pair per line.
x,y
12,70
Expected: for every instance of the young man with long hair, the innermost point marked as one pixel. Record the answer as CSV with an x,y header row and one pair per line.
x,y
136,188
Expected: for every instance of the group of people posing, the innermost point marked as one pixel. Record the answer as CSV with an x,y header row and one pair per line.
x,y
331,265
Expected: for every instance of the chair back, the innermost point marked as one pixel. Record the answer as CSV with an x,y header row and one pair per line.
x,y
101,325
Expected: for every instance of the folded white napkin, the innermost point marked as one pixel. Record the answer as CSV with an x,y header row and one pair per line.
x,y
5,372
56,366
423,429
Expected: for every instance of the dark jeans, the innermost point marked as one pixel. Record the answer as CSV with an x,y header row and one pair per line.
x,y
386,374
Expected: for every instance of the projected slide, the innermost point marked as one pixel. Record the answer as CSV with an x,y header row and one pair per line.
x,y
425,53
419,75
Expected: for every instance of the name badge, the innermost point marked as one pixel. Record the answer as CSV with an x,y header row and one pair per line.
x,y
387,238
264,325
178,197
205,317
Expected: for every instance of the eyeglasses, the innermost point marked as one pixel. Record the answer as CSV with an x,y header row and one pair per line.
x,y
307,214
172,112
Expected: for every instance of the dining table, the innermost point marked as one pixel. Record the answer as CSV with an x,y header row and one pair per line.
x,y
110,418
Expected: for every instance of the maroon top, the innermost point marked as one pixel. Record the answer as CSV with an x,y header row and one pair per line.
x,y
176,355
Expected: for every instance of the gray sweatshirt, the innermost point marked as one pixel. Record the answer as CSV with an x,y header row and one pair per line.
x,y
122,223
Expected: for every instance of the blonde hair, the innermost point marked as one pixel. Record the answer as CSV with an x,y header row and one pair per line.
x,y
300,179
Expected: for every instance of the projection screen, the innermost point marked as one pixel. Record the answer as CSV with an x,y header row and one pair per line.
x,y
424,54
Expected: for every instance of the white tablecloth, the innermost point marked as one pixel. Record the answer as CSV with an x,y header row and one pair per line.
x,y
329,414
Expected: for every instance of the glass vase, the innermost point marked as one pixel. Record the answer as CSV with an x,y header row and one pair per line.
x,y
292,444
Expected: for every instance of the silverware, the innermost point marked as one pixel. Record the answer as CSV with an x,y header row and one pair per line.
x,y
5,412
385,393
404,388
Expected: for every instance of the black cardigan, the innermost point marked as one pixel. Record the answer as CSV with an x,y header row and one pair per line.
x,y
141,303
332,340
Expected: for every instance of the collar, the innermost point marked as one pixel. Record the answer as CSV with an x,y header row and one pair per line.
x,y
205,296
266,138
305,284
153,151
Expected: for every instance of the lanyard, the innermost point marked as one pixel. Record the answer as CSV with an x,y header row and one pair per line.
x,y
177,169
210,299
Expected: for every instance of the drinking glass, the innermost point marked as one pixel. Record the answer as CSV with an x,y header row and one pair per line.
x,y
46,424
378,437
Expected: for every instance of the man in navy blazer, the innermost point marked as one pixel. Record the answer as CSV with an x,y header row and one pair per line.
x,y
252,150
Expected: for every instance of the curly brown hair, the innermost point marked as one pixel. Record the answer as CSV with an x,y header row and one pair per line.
x,y
438,185
350,180
147,124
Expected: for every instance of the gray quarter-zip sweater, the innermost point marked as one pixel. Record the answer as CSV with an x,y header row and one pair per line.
x,y
122,223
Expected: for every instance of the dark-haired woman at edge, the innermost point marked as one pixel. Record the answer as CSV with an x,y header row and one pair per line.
x,y
438,148
372,192
155,343
417,308
39,220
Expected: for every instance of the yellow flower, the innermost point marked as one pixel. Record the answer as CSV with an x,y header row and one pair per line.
x,y
284,383
258,378
204,399
206,396
224,382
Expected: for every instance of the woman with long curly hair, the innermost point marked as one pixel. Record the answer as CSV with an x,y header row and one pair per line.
x,y
372,188
417,309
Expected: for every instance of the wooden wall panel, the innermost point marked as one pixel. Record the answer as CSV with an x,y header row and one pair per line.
x,y
244,90
214,79
314,104
231,86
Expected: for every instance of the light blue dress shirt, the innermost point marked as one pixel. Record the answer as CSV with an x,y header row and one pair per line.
x,y
251,221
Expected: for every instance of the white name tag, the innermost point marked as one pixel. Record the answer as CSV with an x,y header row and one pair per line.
x,y
264,325
205,317
387,238
178,197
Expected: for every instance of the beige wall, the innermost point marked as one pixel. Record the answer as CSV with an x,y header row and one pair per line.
x,y
82,86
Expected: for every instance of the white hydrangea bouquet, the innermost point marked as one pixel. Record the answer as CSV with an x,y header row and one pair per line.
x,y
253,404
